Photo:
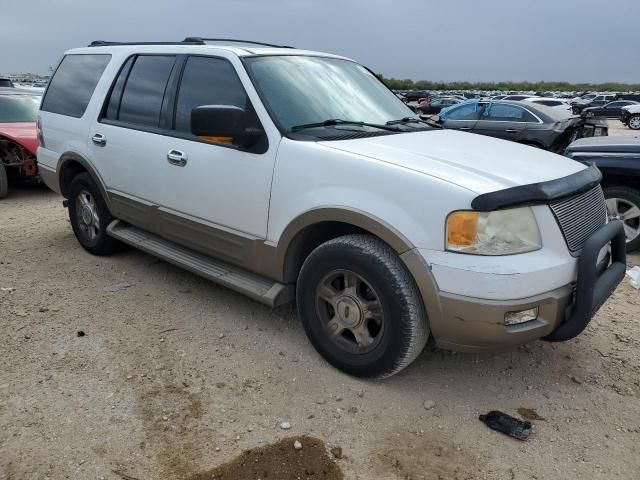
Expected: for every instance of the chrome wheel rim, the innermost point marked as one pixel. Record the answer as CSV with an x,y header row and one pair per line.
x,y
635,122
628,213
87,215
350,311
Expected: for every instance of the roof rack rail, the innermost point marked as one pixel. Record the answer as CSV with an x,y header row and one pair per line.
x,y
202,40
102,43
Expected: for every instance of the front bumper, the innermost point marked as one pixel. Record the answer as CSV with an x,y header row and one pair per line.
x,y
470,324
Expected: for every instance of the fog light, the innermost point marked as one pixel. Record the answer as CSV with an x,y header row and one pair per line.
x,y
514,318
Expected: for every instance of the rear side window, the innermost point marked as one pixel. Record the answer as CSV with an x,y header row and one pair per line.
x,y
207,81
508,113
72,86
144,90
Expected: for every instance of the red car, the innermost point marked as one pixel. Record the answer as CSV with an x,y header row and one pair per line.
x,y
18,136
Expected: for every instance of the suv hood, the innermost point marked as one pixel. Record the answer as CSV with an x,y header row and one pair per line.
x,y
632,108
475,162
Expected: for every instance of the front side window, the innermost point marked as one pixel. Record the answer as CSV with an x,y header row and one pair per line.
x,y
301,90
19,108
144,90
72,85
465,112
207,81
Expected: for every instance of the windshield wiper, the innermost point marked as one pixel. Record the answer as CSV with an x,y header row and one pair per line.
x,y
338,121
405,120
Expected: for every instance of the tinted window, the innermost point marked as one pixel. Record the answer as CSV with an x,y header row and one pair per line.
x,y
549,103
465,112
508,113
73,84
207,81
144,90
19,108
116,94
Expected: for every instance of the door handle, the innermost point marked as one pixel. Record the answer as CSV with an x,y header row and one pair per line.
x,y
465,128
177,158
511,130
99,140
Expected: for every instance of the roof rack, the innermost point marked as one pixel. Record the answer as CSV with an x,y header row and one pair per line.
x,y
189,41
102,43
203,40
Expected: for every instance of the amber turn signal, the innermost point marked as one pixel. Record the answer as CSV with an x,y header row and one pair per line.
x,y
462,229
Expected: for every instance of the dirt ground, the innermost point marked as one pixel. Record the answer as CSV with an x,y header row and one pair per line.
x,y
129,368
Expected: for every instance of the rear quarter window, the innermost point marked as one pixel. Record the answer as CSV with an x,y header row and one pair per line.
x,y
73,84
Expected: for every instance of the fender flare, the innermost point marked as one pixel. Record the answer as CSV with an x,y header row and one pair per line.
x,y
340,214
67,157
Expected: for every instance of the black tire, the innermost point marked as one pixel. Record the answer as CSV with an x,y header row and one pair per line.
x,y
4,181
634,122
631,197
402,332
97,242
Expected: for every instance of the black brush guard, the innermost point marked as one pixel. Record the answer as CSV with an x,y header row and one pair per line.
x,y
594,285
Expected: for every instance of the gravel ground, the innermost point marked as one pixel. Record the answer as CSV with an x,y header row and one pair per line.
x,y
129,368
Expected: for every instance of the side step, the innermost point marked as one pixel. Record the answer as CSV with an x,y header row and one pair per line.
x,y
259,288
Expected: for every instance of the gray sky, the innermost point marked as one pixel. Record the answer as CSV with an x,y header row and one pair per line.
x,y
572,40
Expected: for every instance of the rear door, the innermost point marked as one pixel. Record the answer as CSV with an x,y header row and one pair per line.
x,y
129,143
505,121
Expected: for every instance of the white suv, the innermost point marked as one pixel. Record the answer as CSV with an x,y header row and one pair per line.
x,y
283,174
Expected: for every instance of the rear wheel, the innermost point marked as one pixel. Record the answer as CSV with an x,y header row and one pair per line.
x,y
4,181
634,122
623,203
90,216
360,307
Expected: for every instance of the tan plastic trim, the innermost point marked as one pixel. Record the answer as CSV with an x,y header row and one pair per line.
x,y
340,214
88,166
475,324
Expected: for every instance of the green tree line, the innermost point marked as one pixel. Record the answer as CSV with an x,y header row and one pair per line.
x,y
407,84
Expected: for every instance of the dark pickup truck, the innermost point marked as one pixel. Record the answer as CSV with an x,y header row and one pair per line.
x,y
618,158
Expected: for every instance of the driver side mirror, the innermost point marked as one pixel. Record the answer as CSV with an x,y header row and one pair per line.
x,y
223,123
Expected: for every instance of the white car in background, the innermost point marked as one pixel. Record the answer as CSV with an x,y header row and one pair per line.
x,y
550,102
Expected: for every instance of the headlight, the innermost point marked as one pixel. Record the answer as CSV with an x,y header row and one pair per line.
x,y
503,232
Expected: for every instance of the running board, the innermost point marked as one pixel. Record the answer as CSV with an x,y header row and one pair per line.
x,y
259,288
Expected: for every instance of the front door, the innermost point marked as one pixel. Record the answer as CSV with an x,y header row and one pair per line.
x,y
217,181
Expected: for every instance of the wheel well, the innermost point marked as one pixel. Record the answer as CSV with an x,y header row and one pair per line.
x,y
70,169
308,239
619,180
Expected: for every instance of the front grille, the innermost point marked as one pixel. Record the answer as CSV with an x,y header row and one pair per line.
x,y
580,216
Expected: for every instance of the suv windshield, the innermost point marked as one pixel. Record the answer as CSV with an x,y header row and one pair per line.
x,y
19,108
303,91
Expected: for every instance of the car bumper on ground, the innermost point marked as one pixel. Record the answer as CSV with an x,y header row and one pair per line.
x,y
471,324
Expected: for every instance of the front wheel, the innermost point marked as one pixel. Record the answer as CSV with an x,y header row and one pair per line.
x,y
90,216
360,307
623,203
634,122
